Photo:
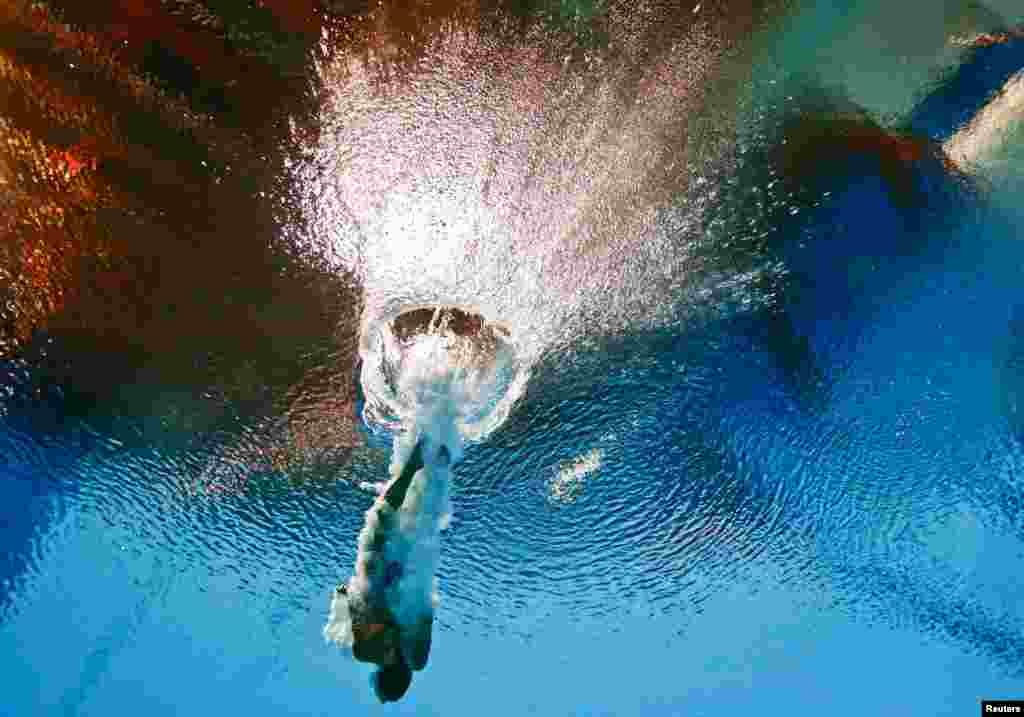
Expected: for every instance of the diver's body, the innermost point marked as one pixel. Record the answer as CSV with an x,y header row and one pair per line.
x,y
389,601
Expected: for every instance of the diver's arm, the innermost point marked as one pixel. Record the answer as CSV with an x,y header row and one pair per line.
x,y
394,494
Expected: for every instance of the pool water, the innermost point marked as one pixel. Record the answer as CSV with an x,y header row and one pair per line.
x,y
765,448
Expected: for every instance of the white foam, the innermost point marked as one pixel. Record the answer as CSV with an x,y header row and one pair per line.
x,y
339,624
568,481
440,382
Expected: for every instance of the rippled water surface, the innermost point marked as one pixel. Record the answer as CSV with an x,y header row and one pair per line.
x,y
758,410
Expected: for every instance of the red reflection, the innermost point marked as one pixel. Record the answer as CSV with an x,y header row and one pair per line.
x,y
988,39
817,144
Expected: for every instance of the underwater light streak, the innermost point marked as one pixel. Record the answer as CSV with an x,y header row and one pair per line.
x,y
989,129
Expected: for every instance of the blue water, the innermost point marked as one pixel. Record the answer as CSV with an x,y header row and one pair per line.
x,y
733,550
816,506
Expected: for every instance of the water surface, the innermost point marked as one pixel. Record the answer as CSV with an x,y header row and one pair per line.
x,y
766,442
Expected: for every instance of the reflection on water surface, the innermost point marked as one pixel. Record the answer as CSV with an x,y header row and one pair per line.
x,y
756,266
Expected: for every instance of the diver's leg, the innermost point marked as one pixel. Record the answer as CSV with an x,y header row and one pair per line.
x,y
394,494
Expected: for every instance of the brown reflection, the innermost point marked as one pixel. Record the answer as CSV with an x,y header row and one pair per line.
x,y
142,237
445,318
819,143
148,231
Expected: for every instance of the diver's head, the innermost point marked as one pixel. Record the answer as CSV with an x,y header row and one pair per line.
x,y
391,682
